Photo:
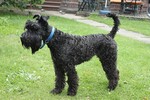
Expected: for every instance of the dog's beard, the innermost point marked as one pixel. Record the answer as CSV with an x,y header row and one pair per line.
x,y
33,42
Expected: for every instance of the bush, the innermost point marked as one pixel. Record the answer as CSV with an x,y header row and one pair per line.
x,y
21,4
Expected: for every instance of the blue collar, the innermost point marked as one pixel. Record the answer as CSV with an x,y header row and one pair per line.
x,y
48,39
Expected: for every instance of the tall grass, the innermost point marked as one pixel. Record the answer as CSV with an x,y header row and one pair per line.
x,y
25,76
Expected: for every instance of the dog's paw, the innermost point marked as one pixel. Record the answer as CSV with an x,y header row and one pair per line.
x,y
111,88
112,84
56,91
71,94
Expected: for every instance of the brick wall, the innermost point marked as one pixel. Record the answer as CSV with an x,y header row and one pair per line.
x,y
145,5
1,1
69,5
114,7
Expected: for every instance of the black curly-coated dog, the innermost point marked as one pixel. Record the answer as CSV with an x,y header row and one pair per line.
x,y
69,50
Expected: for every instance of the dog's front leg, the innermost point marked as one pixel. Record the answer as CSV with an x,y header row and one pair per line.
x,y
72,80
59,81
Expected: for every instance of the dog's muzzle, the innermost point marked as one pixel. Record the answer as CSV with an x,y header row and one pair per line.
x,y
25,40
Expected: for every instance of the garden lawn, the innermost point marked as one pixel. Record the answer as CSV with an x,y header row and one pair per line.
x,y
136,25
24,76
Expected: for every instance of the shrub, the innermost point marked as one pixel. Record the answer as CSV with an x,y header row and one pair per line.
x,y
21,4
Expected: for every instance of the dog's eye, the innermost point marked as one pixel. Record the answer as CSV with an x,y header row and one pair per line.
x,y
34,27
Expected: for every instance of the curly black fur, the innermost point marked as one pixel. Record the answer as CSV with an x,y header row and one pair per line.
x,y
67,51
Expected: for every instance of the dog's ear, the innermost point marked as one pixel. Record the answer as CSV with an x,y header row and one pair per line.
x,y
41,19
45,18
37,16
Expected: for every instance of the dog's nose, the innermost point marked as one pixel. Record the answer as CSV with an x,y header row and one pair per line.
x,y
21,37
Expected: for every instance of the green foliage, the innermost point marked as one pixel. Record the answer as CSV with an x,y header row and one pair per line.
x,y
25,76
20,3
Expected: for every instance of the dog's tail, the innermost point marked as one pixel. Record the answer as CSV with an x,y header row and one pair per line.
x,y
116,24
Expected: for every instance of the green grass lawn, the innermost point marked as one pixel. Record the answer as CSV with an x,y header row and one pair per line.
x,y
136,25
25,76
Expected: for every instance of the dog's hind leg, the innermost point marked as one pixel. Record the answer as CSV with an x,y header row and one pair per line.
x,y
59,81
72,80
108,60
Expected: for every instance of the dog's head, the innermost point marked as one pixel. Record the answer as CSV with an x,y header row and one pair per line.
x,y
35,32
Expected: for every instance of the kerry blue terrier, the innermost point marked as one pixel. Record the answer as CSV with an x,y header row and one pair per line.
x,y
70,50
